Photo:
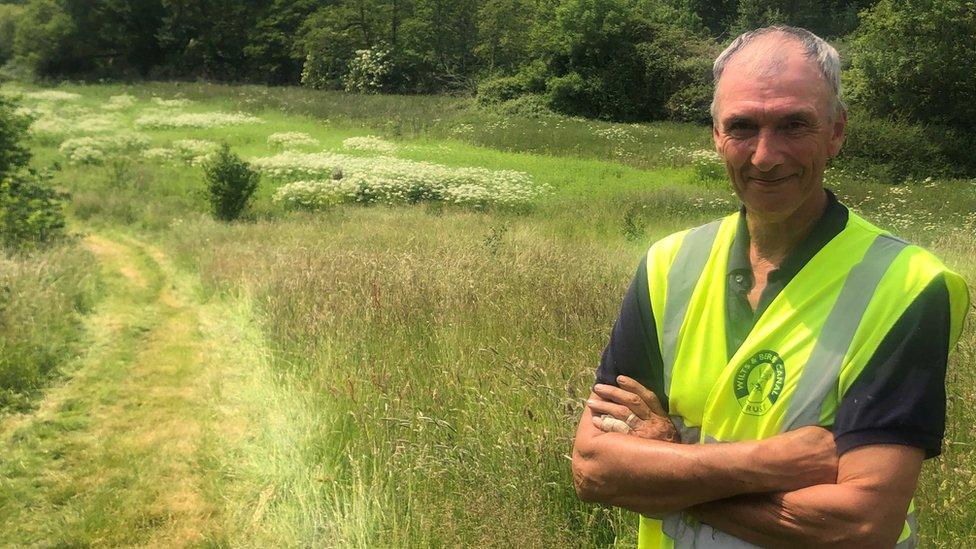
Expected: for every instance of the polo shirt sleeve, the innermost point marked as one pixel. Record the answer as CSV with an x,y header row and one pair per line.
x,y
633,349
900,396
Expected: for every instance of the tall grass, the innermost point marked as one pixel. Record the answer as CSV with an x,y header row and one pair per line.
x,y
433,360
41,299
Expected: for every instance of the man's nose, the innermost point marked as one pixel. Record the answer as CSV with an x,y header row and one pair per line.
x,y
768,153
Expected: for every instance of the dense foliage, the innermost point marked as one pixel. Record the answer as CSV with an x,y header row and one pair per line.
x,y
31,212
912,64
917,59
231,183
619,59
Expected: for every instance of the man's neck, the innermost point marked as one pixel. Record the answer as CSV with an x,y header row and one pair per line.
x,y
771,241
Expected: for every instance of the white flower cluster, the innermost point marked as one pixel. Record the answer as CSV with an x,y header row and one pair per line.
x,y
310,195
194,151
52,95
168,119
164,154
616,133
119,102
338,177
369,143
170,103
190,151
95,150
51,124
291,140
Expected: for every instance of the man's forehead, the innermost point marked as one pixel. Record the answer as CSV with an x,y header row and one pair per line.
x,y
772,77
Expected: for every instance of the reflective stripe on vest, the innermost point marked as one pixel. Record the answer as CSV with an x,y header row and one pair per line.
x,y
804,352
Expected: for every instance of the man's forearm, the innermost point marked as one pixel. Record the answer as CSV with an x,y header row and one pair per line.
x,y
655,477
822,516
866,508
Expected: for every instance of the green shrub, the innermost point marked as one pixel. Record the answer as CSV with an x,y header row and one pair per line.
x,y
530,105
691,103
369,71
31,213
231,183
497,90
10,15
917,58
570,94
891,150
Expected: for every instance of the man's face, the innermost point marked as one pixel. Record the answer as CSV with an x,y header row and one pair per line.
x,y
775,130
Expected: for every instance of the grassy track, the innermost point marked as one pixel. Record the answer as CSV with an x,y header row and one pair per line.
x,y
132,449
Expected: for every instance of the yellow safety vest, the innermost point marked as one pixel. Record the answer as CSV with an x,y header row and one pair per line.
x,y
804,353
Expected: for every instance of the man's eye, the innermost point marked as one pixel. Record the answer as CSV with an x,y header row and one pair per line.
x,y
740,129
796,125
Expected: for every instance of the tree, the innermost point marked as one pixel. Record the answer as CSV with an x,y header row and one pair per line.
x,y
44,38
917,59
621,59
10,14
273,49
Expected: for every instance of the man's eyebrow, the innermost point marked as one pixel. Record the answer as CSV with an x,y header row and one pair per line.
x,y
737,119
801,116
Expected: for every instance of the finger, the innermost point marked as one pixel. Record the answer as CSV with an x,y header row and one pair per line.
x,y
614,425
603,407
624,397
646,394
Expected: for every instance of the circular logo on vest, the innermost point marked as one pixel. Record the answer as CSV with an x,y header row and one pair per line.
x,y
758,382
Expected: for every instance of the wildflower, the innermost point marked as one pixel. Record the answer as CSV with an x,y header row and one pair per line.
x,y
369,143
166,119
291,140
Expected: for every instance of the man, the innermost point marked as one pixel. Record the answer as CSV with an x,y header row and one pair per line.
x,y
763,330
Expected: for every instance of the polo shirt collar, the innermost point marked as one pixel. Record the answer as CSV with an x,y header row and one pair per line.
x,y
830,224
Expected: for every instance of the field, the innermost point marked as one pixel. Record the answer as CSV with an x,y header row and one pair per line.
x,y
363,367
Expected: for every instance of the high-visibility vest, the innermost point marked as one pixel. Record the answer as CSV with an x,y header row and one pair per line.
x,y
803,354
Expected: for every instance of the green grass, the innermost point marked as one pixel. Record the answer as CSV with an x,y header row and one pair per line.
x,y
42,297
428,363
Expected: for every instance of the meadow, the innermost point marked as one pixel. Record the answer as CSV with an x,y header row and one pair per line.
x,y
430,320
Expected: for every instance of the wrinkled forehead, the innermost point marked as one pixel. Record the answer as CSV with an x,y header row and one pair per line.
x,y
769,73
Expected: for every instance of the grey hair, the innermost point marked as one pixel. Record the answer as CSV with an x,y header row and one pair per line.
x,y
815,48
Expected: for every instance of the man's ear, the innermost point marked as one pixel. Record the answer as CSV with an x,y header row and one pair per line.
x,y
838,132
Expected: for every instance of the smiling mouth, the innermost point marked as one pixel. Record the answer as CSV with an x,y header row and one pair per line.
x,y
765,181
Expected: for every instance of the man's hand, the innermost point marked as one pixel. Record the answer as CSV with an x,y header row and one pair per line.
x,y
632,409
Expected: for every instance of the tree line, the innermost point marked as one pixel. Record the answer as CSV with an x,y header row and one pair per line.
x,y
911,63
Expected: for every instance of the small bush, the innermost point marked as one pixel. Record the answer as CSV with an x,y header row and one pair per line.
x,y
497,90
530,105
31,213
570,94
891,150
369,71
691,104
231,182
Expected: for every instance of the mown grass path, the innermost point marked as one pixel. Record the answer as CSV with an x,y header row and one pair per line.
x,y
133,447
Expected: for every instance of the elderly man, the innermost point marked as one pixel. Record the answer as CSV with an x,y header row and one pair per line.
x,y
775,377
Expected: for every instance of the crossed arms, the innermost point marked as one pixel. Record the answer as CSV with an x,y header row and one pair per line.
x,y
789,490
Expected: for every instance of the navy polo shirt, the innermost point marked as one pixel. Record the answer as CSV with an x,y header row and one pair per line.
x,y
899,398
